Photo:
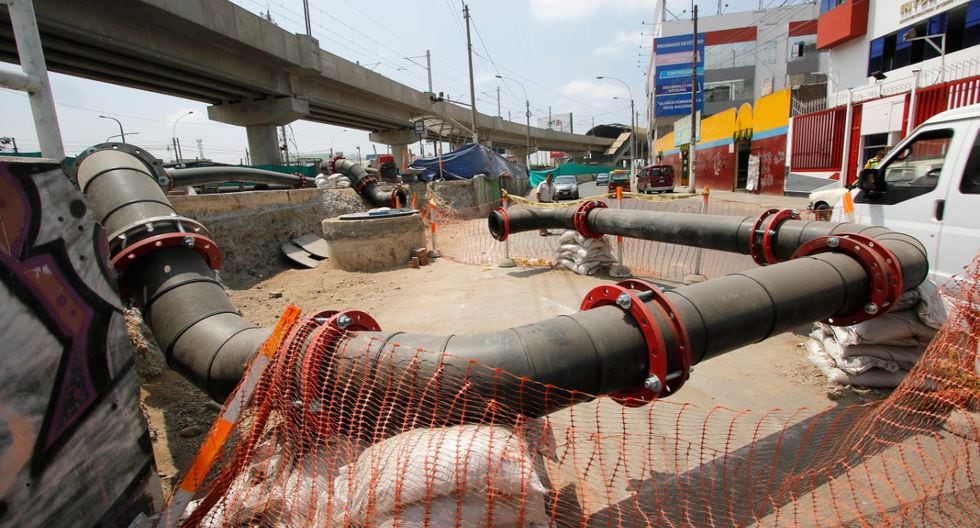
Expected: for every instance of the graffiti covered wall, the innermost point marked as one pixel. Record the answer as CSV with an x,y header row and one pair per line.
x,y
74,447
770,125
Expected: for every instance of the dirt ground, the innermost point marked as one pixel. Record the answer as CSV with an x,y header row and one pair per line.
x,y
447,297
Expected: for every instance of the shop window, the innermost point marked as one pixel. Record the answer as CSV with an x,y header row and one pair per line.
x,y
801,47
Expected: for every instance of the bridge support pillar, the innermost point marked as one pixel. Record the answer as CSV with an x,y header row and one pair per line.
x,y
263,144
260,119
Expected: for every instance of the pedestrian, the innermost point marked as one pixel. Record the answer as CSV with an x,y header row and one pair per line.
x,y
546,194
873,162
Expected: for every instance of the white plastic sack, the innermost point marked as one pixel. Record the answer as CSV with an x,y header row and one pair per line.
x,y
893,328
855,365
426,463
472,510
871,378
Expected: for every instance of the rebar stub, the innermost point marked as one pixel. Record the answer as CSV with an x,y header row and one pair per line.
x,y
878,262
582,216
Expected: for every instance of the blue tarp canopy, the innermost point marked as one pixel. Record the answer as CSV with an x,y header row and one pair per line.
x,y
467,162
573,169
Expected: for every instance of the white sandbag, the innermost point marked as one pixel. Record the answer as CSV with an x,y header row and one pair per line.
x,y
472,510
870,378
855,365
904,357
426,463
893,328
932,309
570,236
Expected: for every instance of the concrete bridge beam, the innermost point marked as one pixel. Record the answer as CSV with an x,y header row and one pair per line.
x,y
260,119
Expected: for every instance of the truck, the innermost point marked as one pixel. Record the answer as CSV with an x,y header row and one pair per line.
x,y
928,186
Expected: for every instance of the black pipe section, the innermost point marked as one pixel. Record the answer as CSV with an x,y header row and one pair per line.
x,y
221,174
366,185
722,233
597,351
198,328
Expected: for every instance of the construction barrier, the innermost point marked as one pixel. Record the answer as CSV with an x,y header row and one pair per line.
x,y
352,453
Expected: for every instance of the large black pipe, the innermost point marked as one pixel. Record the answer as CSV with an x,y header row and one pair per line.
x,y
198,328
222,173
366,185
723,233
597,351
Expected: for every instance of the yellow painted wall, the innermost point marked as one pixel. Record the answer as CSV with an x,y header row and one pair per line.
x,y
744,118
772,111
717,127
665,143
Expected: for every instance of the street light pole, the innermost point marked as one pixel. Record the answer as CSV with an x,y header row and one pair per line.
x,y
632,120
333,138
173,134
527,127
122,134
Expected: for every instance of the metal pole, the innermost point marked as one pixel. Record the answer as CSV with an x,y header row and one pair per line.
x,y
173,134
527,133
24,24
121,133
692,150
507,262
913,100
498,102
428,68
469,56
847,137
306,16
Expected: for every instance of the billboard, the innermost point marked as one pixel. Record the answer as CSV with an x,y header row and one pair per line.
x,y
674,75
559,122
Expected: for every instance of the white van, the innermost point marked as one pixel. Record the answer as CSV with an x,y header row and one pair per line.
x,y
928,186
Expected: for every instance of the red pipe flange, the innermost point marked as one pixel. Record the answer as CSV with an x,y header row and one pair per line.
x,y
582,216
393,199
503,214
616,295
878,262
204,245
768,232
364,182
761,238
313,374
669,312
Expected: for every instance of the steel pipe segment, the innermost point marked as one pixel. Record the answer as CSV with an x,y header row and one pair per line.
x,y
366,185
165,263
221,174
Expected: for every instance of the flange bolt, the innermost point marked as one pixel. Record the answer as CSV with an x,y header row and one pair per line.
x,y
624,301
653,384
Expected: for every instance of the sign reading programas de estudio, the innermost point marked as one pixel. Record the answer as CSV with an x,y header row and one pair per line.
x,y
673,61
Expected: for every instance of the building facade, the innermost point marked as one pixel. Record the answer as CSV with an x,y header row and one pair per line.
x,y
751,65
891,65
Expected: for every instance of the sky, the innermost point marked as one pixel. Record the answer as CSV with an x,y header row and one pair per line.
x,y
553,49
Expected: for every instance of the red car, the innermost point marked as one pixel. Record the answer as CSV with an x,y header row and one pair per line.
x,y
655,178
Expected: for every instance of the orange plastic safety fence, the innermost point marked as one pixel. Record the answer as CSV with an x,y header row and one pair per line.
x,y
337,436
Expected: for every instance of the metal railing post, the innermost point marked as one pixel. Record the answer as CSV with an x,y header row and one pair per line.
x,y
507,262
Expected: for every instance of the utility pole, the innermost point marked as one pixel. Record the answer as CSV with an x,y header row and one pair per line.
x,y
498,102
285,146
306,15
694,101
428,68
200,149
9,140
549,117
469,55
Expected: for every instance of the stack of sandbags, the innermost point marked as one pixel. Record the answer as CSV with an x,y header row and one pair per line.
x,y
469,475
585,256
881,351
333,181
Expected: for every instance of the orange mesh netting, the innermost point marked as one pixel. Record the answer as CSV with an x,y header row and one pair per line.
x,y
462,235
342,437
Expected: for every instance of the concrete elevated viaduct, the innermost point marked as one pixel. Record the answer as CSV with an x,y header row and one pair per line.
x,y
253,73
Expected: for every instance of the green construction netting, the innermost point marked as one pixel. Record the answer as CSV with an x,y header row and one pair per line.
x,y
573,169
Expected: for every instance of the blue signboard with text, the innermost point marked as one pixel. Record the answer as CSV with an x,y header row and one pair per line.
x,y
673,60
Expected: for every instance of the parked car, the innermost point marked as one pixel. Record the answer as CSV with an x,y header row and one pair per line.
x,y
823,199
566,188
619,178
655,178
602,178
